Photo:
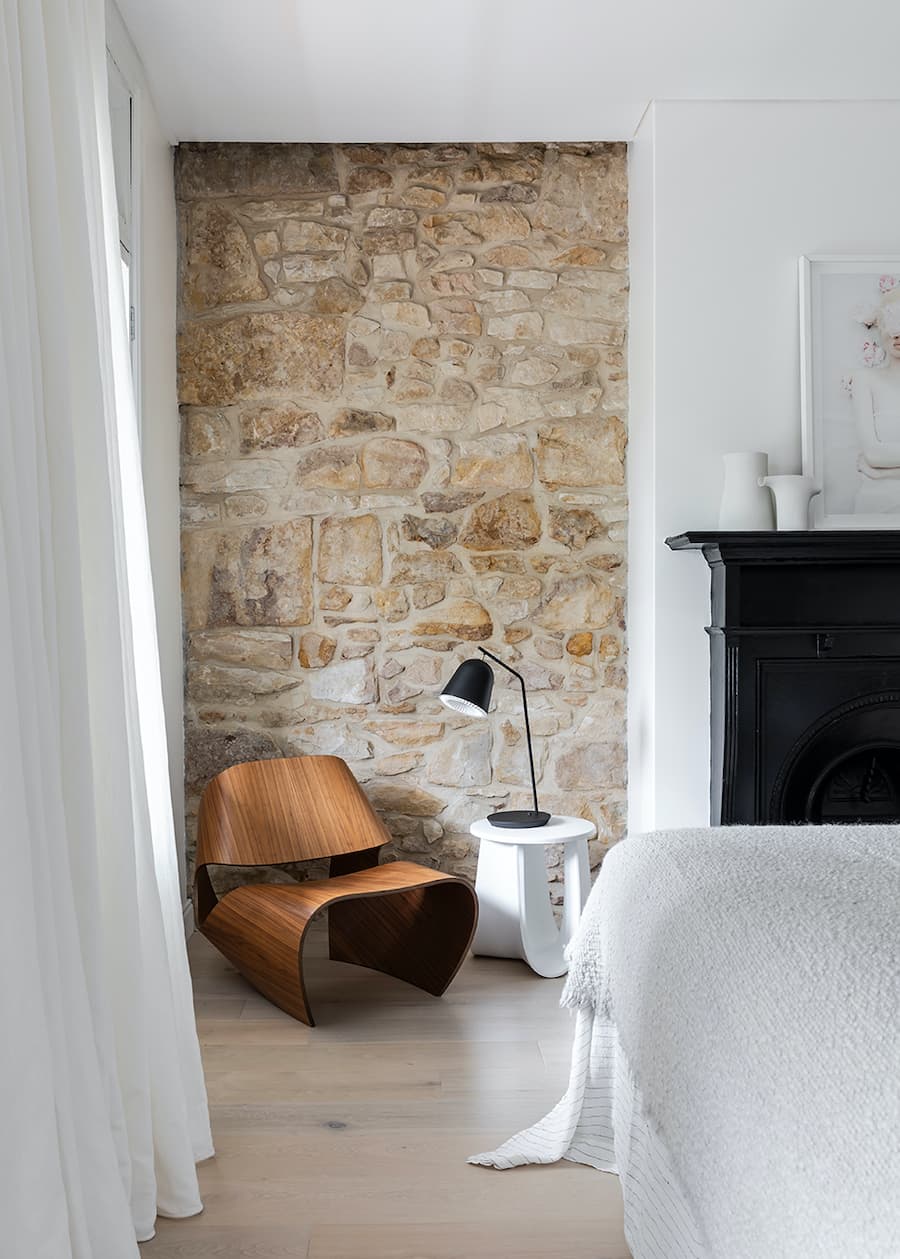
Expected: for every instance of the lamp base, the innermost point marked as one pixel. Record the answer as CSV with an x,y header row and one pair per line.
x,y
518,819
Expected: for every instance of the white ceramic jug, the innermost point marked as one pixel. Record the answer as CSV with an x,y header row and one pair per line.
x,y
745,504
792,496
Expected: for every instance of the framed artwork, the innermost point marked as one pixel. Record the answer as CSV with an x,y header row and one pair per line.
x,y
850,389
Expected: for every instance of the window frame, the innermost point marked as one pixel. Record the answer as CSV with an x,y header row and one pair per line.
x,y
121,60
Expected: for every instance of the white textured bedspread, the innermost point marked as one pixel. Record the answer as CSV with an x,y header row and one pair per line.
x,y
753,978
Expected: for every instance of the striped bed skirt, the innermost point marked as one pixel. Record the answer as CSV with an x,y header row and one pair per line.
x,y
600,1121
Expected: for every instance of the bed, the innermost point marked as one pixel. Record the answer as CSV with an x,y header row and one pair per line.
x,y
736,1058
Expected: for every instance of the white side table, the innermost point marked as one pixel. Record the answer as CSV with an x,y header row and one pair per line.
x,y
515,917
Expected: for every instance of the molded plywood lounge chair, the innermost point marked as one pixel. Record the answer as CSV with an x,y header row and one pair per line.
x,y
400,918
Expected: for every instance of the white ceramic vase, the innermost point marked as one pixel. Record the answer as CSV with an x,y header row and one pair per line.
x,y
792,497
746,505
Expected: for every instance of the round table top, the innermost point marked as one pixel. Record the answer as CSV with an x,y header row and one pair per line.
x,y
559,830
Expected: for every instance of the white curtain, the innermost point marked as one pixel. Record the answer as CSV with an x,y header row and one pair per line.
x,y
102,1103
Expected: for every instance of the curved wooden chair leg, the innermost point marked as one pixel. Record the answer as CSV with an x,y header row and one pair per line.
x,y
420,935
267,948
205,899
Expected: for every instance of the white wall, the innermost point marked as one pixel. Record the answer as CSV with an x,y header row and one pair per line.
x,y
725,198
157,246
641,475
311,71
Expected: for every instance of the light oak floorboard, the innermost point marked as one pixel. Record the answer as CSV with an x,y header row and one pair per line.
x,y
349,1140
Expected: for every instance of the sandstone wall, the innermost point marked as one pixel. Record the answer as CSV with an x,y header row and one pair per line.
x,y
402,377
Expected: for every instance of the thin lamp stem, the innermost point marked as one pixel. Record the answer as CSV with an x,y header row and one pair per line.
x,y
484,651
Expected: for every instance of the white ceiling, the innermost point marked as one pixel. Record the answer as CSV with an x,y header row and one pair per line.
x,y
426,70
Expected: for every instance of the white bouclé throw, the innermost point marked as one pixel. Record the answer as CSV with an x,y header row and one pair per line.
x,y
753,978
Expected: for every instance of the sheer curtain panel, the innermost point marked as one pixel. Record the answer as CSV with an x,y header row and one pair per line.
x,y
103,1102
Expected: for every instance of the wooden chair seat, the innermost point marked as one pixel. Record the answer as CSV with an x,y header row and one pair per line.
x,y
400,918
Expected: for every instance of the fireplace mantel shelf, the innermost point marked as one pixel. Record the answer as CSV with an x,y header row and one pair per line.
x,y
826,546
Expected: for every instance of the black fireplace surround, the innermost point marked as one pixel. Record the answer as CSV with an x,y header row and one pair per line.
x,y
805,675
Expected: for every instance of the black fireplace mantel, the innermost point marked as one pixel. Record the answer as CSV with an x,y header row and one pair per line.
x,y
805,674
809,546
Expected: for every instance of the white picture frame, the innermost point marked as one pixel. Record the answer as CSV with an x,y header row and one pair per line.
x,y
844,301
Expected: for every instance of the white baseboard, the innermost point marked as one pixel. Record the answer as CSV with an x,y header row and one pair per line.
x,y
188,921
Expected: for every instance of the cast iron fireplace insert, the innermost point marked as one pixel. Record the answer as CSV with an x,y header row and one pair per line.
x,y
805,675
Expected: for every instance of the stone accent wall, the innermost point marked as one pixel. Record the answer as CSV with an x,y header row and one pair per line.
x,y
402,377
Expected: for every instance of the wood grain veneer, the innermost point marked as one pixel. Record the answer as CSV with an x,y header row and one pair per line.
x,y
266,813
400,918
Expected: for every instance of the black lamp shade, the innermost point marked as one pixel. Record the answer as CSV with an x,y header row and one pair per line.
x,y
469,690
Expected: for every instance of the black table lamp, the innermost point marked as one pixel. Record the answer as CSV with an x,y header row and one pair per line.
x,y
469,692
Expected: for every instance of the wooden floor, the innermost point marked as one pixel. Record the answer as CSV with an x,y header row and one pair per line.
x,y
349,1140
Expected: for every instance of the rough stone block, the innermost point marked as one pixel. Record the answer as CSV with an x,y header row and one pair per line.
x,y
309,268
575,527
243,474
219,266
581,644
584,600
210,750
532,371
204,434
567,330
605,297
453,501
350,550
258,649
315,650
501,461
369,179
346,682
510,522
530,278
260,355
392,463
298,237
431,419
456,316
586,195
462,618
503,222
463,760
388,240
595,766
329,468
406,314
580,256
352,422
437,532
392,605
526,326
403,798
259,575
245,506
278,427
583,452
209,682
257,170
